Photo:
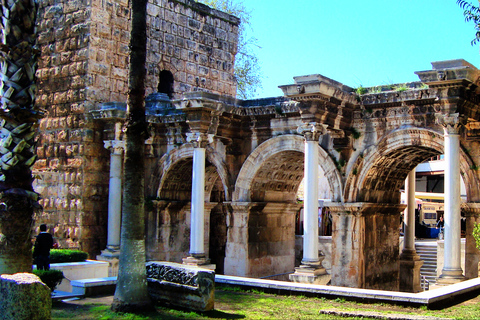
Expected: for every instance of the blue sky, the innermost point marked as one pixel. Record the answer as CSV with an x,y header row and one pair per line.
x,y
356,42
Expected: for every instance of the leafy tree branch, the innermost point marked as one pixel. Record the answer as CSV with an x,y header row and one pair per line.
x,y
471,13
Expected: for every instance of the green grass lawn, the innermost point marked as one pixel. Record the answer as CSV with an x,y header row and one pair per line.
x,y
238,304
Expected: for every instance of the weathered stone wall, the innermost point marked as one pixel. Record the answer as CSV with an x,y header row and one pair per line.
x,y
381,250
271,240
195,43
365,246
168,231
84,62
72,163
261,239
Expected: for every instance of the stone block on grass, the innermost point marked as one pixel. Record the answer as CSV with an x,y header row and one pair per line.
x,y
24,297
181,285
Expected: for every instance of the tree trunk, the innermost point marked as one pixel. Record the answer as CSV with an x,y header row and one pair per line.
x,y
131,292
18,116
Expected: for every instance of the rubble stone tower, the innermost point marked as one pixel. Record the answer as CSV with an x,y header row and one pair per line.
x,y
84,62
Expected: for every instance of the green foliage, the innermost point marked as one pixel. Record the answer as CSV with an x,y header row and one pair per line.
x,y
247,69
67,255
401,87
361,90
476,235
471,13
51,278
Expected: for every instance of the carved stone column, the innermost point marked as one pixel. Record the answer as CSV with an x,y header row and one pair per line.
x,y
197,223
410,262
311,269
452,270
112,252
472,254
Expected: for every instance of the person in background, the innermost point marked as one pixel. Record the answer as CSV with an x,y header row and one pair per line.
x,y
440,225
41,251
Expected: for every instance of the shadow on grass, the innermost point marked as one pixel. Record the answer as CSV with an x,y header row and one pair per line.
x,y
74,310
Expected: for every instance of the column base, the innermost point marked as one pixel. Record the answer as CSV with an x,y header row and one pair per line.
x,y
199,261
310,273
410,264
449,277
111,256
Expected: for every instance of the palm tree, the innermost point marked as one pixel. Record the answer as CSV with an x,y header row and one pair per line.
x,y
18,122
131,292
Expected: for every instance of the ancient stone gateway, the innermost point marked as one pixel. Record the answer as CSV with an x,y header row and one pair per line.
x,y
222,174
252,157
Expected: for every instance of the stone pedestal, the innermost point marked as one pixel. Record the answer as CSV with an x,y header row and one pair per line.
x,y
112,257
314,274
202,262
410,264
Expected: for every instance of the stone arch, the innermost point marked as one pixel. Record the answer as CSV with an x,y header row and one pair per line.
x,y
257,170
382,169
174,169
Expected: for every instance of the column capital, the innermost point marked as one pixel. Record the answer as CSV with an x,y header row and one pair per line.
x,y
451,123
115,146
312,130
199,140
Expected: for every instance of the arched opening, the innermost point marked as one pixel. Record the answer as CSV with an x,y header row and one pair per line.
x,y
266,190
166,83
169,223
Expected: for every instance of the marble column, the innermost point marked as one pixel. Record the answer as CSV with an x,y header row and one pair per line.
x,y
311,269
410,262
197,222
112,252
452,270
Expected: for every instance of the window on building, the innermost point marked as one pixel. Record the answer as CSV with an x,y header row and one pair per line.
x,y
165,85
